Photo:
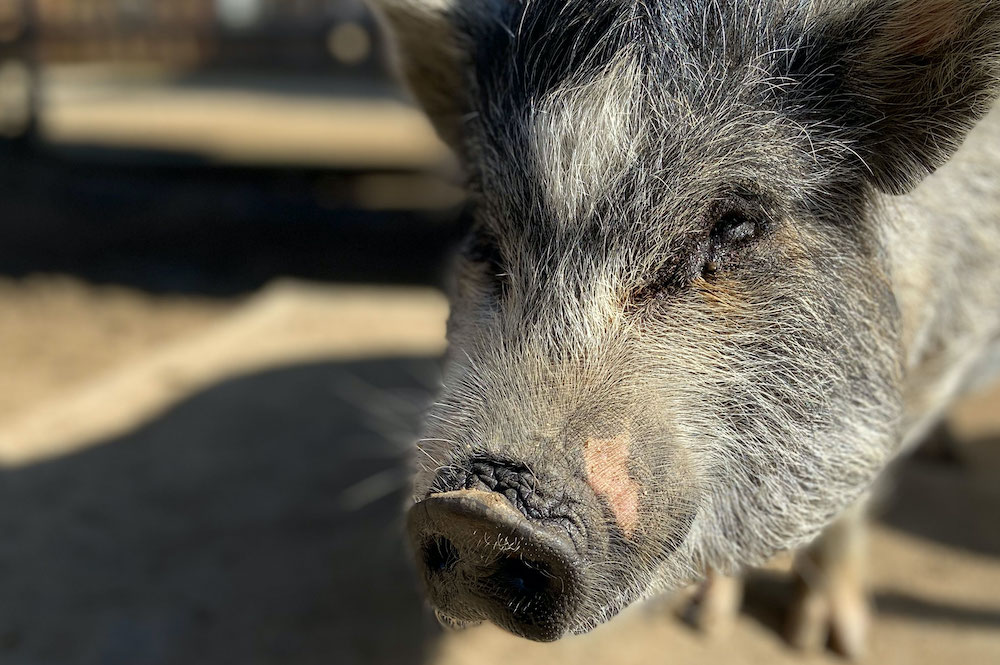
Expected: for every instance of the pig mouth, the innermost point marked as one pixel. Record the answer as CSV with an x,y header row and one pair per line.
x,y
522,560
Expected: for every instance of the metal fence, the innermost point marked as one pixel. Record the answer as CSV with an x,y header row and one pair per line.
x,y
335,38
258,33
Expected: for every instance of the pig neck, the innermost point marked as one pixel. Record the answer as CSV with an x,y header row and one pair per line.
x,y
943,247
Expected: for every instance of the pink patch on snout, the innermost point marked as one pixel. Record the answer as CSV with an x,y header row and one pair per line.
x,y
607,472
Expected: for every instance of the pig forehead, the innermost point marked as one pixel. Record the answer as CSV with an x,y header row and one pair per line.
x,y
526,48
626,142
585,178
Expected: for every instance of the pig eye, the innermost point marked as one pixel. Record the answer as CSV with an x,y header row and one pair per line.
x,y
483,250
734,228
738,223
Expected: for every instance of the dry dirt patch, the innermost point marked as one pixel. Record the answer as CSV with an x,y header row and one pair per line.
x,y
57,333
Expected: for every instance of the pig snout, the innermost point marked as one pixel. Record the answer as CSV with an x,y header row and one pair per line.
x,y
481,558
548,546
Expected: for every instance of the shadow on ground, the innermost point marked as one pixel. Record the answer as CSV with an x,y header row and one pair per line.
x,y
172,223
769,595
257,522
948,493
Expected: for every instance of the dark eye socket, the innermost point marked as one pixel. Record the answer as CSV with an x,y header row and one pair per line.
x,y
482,248
738,222
734,227
735,222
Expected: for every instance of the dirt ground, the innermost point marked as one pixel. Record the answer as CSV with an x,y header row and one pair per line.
x,y
364,125
57,333
189,480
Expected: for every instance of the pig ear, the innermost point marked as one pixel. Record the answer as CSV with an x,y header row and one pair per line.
x,y
918,74
427,52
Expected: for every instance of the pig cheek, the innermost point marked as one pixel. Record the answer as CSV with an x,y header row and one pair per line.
x,y
607,473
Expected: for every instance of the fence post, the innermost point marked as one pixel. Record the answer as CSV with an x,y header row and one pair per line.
x,y
19,72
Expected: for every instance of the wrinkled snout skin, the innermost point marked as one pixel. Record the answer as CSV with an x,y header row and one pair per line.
x,y
727,260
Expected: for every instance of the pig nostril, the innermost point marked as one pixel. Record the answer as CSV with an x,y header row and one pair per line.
x,y
479,559
524,578
440,555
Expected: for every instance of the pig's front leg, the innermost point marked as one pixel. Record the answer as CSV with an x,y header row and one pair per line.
x,y
715,607
832,601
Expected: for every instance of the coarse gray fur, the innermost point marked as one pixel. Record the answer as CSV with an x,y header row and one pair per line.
x,y
764,381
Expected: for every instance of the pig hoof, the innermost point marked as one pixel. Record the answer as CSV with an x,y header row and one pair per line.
x,y
714,609
839,617
850,619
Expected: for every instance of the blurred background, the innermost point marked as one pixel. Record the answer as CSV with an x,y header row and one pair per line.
x,y
223,231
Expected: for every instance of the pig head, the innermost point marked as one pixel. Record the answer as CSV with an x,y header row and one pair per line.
x,y
674,340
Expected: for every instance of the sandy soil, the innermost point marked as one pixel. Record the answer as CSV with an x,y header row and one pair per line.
x,y
370,127
56,333
250,512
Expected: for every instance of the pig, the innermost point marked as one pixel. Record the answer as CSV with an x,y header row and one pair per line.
x,y
728,260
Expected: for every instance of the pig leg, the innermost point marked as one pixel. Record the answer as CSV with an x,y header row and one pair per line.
x,y
832,601
717,603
